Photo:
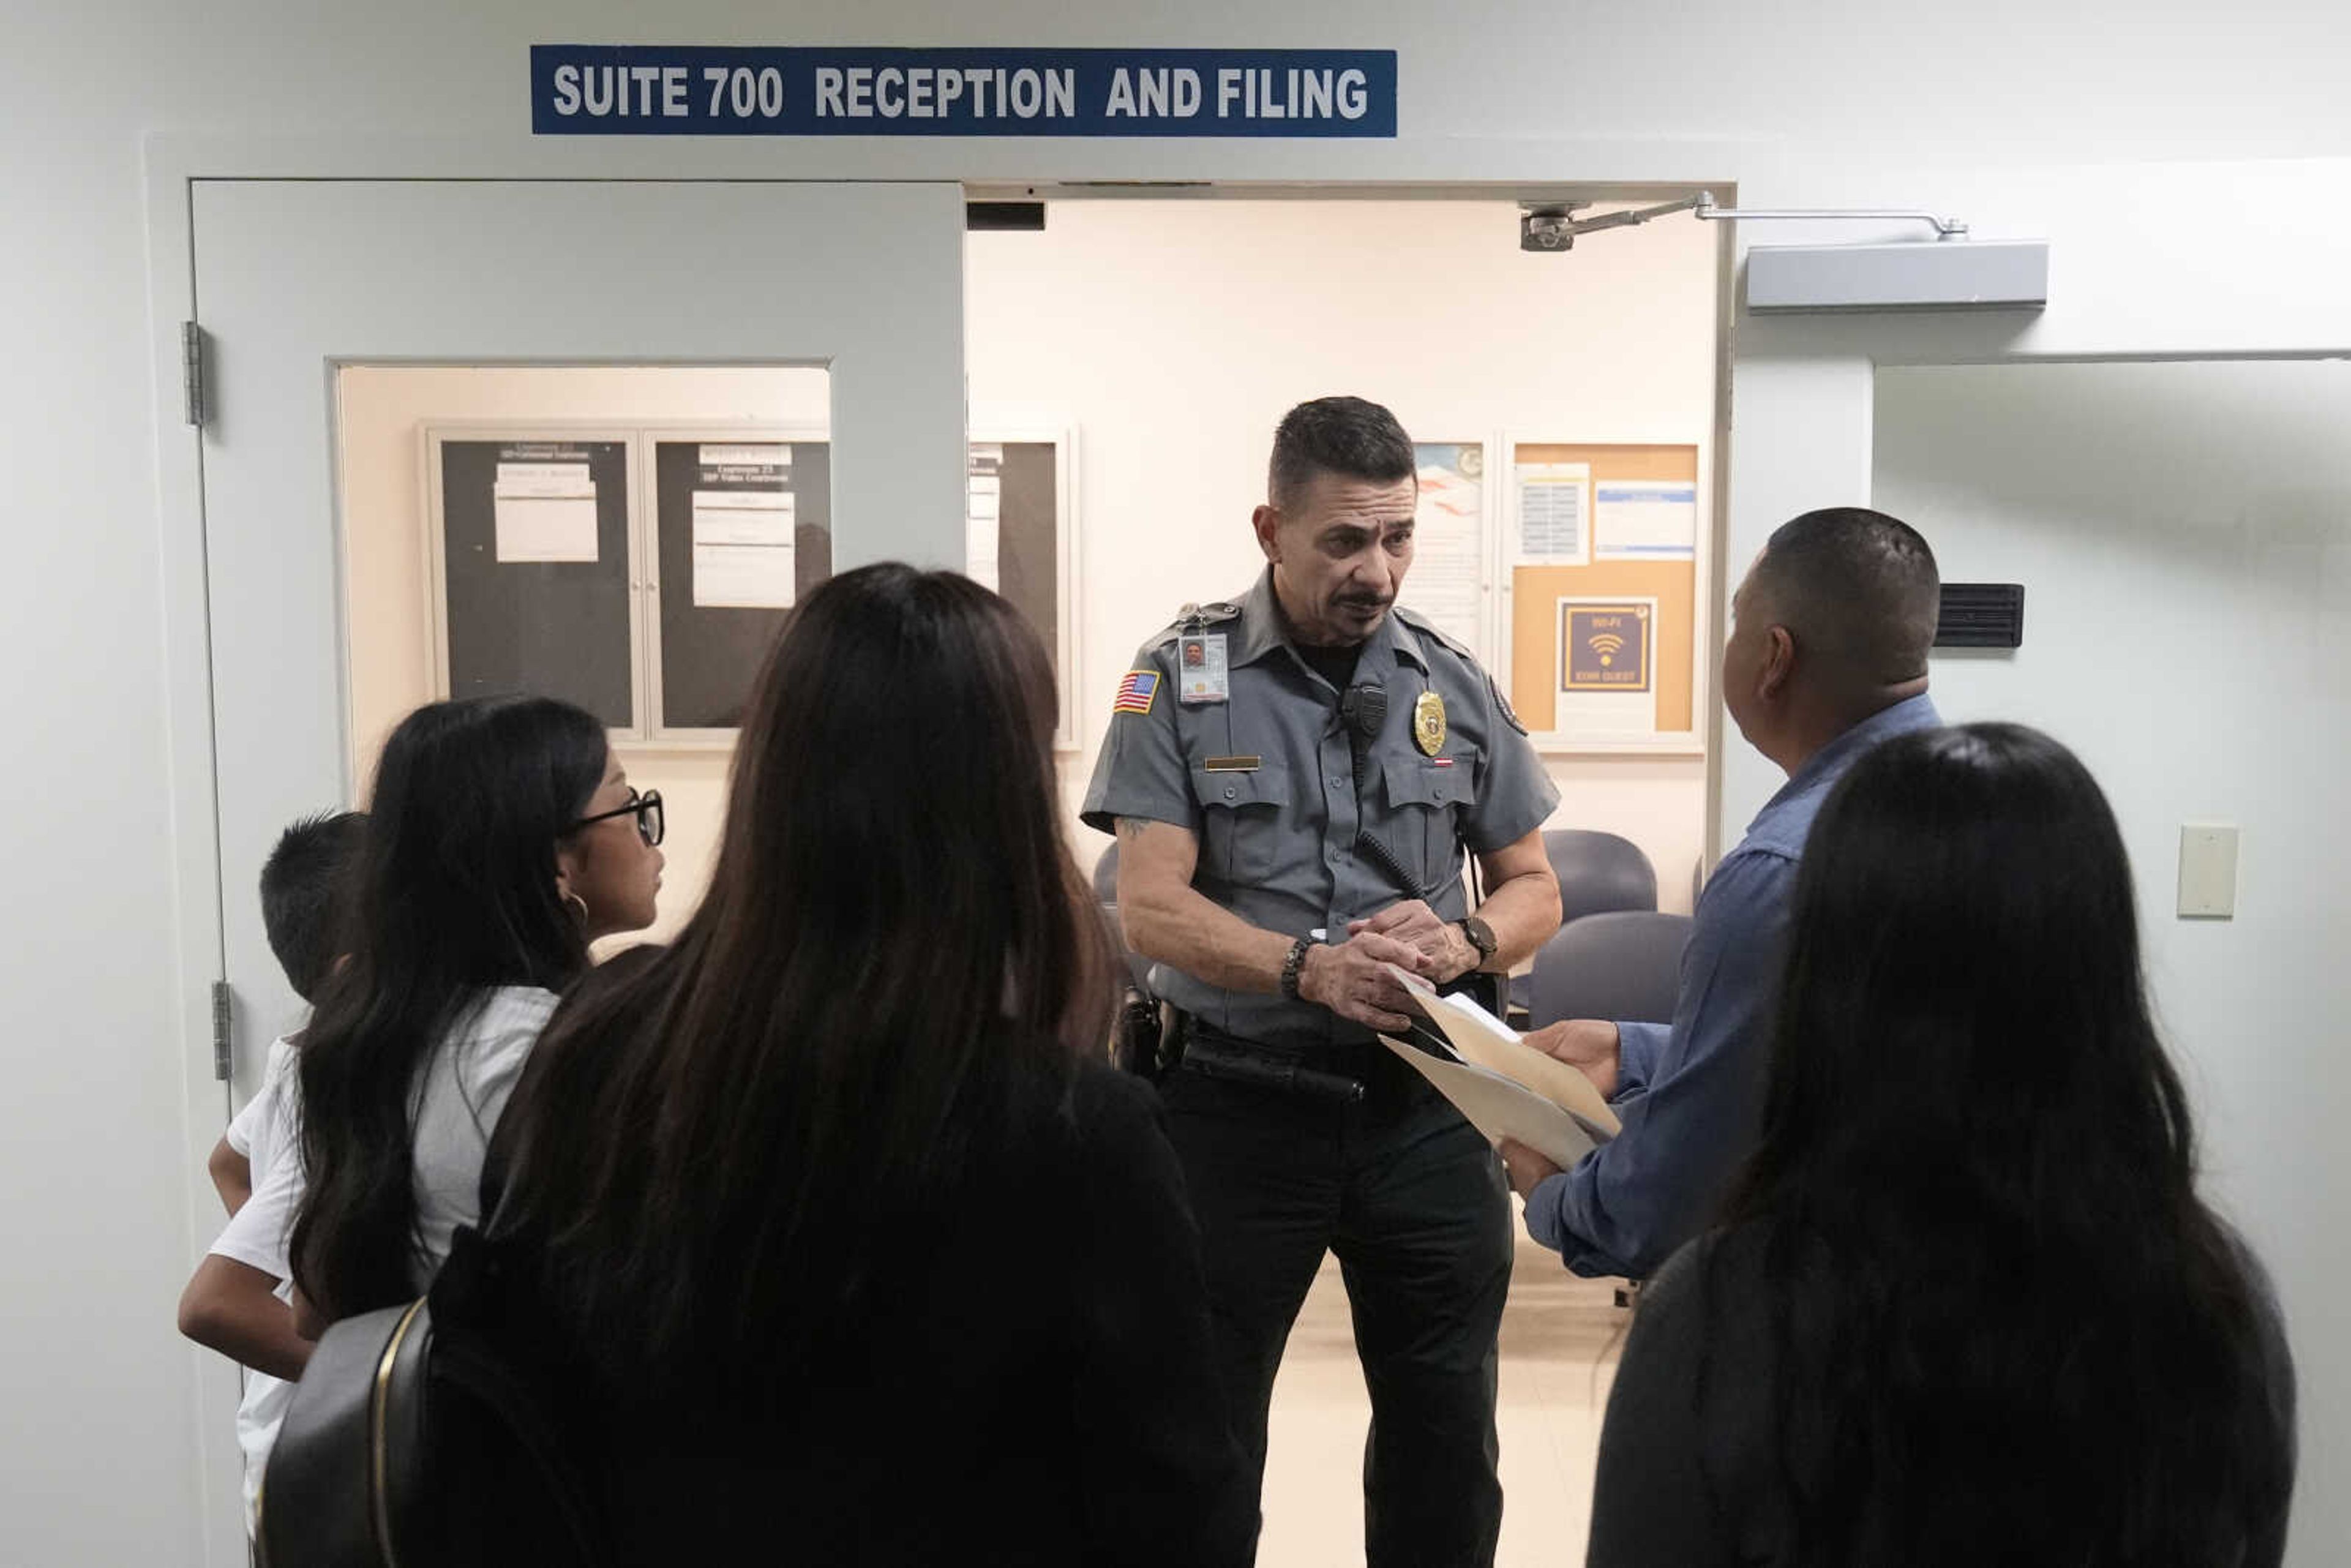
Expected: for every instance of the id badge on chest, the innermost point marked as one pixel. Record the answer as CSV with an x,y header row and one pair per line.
x,y
1201,674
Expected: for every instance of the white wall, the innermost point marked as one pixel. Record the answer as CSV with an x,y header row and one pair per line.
x,y
105,1064
387,591
1175,333
2183,533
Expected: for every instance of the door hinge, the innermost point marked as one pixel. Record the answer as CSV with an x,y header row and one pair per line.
x,y
223,1017
192,374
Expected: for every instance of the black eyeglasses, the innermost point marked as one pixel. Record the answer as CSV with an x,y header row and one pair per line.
x,y
646,807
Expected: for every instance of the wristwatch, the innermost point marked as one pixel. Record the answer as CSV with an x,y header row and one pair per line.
x,y
1481,937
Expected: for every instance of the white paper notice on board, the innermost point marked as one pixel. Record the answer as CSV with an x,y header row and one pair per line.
x,y
983,530
745,557
735,454
1555,514
1644,519
1448,554
744,517
544,512
745,577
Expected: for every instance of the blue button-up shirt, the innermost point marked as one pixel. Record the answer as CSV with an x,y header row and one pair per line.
x,y
1691,1093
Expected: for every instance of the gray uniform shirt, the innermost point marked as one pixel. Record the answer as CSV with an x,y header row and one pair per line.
x,y
1266,780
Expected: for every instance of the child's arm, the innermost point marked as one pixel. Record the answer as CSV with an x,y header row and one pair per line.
x,y
231,1175
233,1308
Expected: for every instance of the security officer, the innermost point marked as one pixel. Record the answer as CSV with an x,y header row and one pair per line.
x,y
1293,780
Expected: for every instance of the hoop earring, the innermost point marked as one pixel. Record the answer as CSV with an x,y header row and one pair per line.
x,y
578,908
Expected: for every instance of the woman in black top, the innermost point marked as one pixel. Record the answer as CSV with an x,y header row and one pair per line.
x,y
843,1244
1964,1307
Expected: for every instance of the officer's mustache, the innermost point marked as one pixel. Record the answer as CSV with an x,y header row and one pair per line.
x,y
1365,600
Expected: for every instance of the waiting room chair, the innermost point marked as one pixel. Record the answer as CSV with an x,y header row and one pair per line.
x,y
1621,964
1598,872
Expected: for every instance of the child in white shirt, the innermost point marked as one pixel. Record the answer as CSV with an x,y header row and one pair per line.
x,y
239,1300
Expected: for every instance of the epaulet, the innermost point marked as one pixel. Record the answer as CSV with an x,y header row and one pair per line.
x,y
1197,617
1428,628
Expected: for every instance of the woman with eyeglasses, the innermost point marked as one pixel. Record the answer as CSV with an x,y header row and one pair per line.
x,y
1965,1305
829,1225
502,840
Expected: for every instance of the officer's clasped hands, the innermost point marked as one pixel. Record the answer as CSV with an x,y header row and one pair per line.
x,y
1437,939
1351,978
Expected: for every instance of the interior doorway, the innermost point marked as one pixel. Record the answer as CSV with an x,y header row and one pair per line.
x,y
1168,334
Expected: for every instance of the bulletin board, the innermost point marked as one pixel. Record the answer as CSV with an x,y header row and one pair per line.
x,y
529,532
643,573
712,634
1538,658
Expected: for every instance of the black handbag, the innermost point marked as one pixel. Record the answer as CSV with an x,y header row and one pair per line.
x,y
410,1442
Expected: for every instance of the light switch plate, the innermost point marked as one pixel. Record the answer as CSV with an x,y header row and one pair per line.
x,y
2208,870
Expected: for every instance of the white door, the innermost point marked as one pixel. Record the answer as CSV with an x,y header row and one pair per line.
x,y
293,277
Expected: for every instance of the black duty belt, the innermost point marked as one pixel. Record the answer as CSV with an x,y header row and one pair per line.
x,y
1309,1073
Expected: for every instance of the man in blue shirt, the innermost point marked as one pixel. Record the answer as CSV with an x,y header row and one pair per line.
x,y
1827,657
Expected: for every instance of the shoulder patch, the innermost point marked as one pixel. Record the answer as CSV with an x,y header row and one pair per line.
x,y
1137,692
1502,706
1429,629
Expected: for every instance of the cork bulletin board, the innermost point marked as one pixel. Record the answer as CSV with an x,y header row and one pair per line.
x,y
1540,660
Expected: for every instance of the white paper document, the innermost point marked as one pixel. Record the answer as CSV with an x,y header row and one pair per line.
x,y
1644,519
1504,1086
745,577
735,454
744,555
744,517
983,530
544,512
1449,557
1555,514
1503,1108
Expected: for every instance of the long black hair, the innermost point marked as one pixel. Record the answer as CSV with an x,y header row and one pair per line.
x,y
2003,1321
886,988
456,893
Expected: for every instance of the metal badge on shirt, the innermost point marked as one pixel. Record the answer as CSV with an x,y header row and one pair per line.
x,y
1201,672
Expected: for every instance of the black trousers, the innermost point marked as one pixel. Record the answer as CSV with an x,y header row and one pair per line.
x,y
1414,1203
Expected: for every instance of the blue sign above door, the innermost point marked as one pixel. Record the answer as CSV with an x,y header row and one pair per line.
x,y
630,90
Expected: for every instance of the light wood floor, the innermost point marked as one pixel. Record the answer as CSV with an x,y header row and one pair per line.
x,y
1561,1336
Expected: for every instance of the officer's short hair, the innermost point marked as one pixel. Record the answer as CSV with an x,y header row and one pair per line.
x,y
1857,590
1344,435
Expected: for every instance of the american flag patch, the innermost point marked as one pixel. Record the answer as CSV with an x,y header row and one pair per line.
x,y
1135,693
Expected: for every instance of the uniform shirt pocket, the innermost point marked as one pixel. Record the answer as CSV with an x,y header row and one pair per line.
x,y
1242,832
1425,801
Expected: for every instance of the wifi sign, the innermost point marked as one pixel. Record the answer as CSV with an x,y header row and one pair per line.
x,y
1604,646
